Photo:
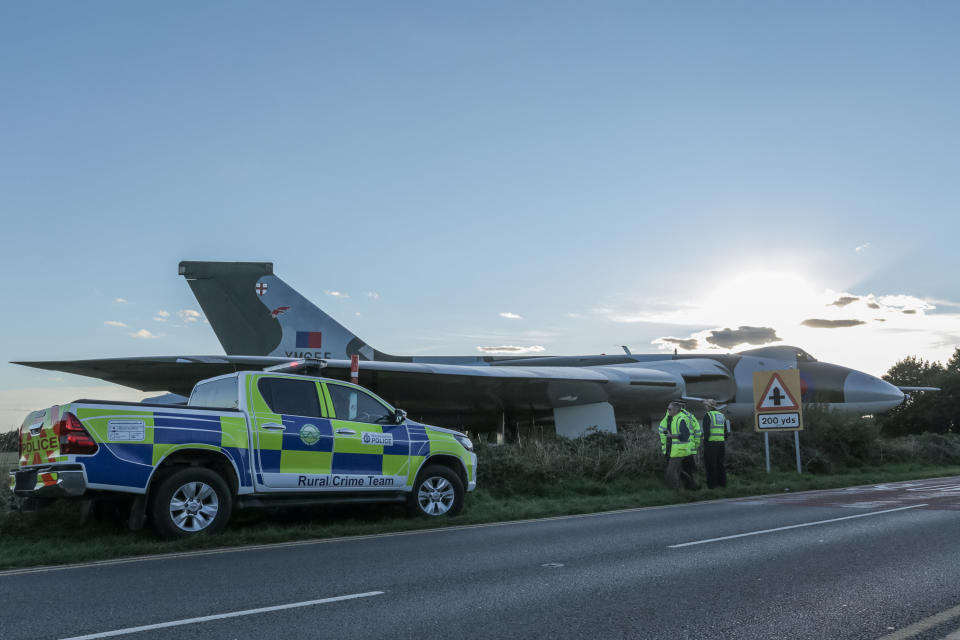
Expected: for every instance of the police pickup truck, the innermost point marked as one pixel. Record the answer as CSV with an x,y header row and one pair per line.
x,y
245,439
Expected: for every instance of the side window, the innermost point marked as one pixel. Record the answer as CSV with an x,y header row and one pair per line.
x,y
289,396
221,394
353,404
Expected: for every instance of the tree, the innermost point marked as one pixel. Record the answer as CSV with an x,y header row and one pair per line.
x,y
953,364
934,411
914,372
10,440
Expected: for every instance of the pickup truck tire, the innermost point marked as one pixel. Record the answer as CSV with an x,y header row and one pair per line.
x,y
438,491
189,502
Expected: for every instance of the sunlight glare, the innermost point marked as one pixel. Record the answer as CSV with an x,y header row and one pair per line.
x,y
763,298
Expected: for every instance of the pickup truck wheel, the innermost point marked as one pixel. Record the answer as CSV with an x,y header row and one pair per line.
x,y
189,502
438,491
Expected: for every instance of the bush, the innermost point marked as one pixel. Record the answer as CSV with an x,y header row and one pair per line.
x,y
928,448
830,442
10,440
603,457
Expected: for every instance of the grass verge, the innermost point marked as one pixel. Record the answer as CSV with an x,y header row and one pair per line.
x,y
51,537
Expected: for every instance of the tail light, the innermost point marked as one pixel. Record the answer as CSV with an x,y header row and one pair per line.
x,y
74,439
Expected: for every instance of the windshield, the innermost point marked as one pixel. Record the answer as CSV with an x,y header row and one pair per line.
x,y
780,352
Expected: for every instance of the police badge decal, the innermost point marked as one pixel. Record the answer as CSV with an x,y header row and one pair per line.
x,y
309,434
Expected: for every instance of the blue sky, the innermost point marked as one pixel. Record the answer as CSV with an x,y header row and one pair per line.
x,y
612,173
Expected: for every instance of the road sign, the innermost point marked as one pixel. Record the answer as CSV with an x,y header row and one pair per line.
x,y
776,398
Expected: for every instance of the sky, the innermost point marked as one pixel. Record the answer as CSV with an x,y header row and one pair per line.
x,y
466,178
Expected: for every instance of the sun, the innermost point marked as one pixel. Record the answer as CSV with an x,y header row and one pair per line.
x,y
763,298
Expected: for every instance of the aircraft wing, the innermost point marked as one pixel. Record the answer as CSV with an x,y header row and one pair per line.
x,y
176,374
420,388
459,389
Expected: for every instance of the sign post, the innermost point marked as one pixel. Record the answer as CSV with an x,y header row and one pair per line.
x,y
776,396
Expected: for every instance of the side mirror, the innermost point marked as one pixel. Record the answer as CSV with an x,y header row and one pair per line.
x,y
399,415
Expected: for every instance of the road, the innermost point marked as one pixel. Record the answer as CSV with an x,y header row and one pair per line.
x,y
866,562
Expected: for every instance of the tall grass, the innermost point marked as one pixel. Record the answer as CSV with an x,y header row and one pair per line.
x,y
830,443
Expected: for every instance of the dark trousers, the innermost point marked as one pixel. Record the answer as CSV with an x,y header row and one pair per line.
x,y
689,472
681,469
713,454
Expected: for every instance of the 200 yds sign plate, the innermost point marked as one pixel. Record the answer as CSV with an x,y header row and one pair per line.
x,y
771,421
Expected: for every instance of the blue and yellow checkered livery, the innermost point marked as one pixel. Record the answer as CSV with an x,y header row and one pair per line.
x,y
130,463
266,451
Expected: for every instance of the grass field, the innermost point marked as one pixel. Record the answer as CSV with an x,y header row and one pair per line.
x,y
52,537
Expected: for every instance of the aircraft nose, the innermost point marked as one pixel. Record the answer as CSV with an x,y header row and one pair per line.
x,y
879,394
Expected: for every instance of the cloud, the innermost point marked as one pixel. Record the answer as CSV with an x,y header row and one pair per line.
x,y
120,300
901,302
944,303
163,313
843,301
766,297
510,316
144,334
727,338
115,323
512,349
189,315
373,294
909,311
863,247
336,294
820,323
687,344
503,336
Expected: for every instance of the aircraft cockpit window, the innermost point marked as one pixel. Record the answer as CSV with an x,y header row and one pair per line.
x,y
803,356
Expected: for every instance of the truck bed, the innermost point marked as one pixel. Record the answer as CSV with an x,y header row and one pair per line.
x,y
156,405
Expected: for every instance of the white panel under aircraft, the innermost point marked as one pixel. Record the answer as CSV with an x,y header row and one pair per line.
x,y
573,422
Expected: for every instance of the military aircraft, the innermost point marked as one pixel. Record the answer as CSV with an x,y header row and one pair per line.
x,y
262,322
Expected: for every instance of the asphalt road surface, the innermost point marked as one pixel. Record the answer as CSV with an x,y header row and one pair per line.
x,y
866,562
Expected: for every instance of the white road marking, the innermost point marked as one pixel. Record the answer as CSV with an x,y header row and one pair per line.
x,y
792,526
949,488
953,636
923,625
221,616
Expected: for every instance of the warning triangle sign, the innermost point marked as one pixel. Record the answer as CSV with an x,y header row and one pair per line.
x,y
777,396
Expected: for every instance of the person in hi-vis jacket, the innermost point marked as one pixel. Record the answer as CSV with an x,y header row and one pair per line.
x,y
676,443
716,426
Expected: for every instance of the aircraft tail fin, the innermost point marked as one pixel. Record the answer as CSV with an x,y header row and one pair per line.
x,y
255,313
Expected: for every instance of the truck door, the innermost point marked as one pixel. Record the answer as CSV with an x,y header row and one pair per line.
x,y
294,439
369,449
